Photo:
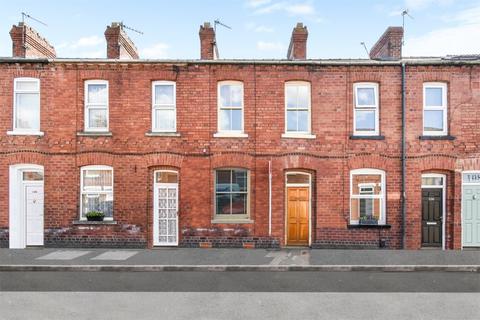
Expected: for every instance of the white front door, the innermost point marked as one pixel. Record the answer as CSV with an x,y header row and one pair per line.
x,y
165,216
33,195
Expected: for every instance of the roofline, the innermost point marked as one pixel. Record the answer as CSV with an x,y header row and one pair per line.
x,y
325,62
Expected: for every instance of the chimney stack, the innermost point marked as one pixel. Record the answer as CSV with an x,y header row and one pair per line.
x,y
208,46
28,43
389,46
119,45
297,50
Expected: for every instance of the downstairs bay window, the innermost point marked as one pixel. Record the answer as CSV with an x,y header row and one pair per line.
x,y
367,197
96,191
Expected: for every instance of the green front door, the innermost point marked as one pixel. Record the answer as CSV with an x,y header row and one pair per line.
x,y
471,215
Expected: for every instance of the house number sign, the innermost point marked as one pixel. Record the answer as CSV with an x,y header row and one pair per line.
x,y
471,177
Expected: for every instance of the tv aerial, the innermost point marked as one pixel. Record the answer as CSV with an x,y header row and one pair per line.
x,y
404,14
26,15
365,47
130,28
218,22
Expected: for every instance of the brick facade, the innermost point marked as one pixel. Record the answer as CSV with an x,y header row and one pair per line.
x,y
196,153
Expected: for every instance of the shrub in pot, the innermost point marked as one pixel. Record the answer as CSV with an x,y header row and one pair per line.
x,y
95,216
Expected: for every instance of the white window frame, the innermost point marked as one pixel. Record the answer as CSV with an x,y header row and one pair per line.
x,y
164,106
382,196
20,131
96,167
443,107
231,218
230,133
298,134
374,107
96,106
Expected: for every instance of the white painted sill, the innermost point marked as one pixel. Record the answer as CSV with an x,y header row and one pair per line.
x,y
94,134
162,134
25,133
298,136
231,221
230,135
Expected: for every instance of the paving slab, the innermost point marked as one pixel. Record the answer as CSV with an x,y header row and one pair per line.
x,y
115,255
63,255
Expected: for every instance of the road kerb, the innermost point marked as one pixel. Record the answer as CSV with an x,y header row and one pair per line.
x,y
240,268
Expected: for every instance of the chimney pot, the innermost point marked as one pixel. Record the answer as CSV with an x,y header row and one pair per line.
x,y
389,46
297,50
119,44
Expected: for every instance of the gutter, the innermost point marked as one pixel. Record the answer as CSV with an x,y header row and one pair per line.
x,y
403,196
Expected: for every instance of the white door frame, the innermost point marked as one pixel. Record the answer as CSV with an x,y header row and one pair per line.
x,y
309,185
444,207
461,198
156,241
17,215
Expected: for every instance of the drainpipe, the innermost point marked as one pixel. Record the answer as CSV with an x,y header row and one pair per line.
x,y
404,160
270,197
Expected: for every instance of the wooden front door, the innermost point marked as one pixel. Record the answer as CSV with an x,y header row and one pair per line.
x,y
298,206
432,214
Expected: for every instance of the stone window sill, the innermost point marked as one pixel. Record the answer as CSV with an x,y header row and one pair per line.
x,y
94,134
298,136
353,137
162,134
446,137
86,222
230,135
25,133
231,221
368,226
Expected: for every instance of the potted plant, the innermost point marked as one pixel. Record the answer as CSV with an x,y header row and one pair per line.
x,y
369,220
95,215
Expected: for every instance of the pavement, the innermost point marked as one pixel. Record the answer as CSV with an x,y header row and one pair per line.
x,y
183,259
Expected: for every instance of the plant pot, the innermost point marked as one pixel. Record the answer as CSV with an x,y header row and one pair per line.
x,y
369,221
94,218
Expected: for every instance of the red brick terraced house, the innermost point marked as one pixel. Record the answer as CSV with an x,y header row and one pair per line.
x,y
352,153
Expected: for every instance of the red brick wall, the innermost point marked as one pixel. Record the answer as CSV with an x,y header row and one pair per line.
x,y
196,154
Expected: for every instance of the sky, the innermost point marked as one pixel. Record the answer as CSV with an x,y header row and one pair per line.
x,y
261,29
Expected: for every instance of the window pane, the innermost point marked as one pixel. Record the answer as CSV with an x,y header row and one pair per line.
x,y
292,121
98,180
27,85
166,177
297,178
236,95
433,97
433,120
164,94
291,92
223,203
97,118
366,96
302,121
239,203
27,111
97,93
32,176
236,120
225,118
303,97
239,180
165,120
98,202
432,181
225,96
360,181
223,182
365,120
